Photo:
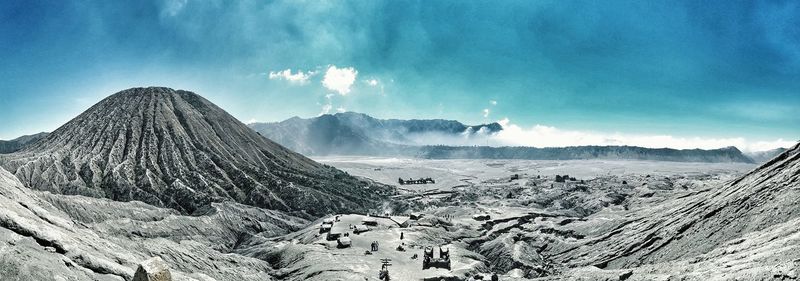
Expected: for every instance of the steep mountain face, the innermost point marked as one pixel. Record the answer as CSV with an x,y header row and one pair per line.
x,y
352,133
722,155
760,203
176,149
8,146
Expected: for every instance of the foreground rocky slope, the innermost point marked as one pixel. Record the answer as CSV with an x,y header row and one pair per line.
x,y
176,149
745,228
697,224
46,236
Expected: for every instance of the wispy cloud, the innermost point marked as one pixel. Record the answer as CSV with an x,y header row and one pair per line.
x,y
339,79
375,83
300,77
326,108
485,113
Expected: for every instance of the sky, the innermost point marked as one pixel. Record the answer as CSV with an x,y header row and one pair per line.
x,y
682,74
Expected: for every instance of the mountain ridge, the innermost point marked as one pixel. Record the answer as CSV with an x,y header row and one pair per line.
x,y
9,146
608,152
359,134
766,155
354,133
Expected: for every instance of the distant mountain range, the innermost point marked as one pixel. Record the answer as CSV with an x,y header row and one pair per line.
x,y
764,156
722,155
8,146
360,134
352,133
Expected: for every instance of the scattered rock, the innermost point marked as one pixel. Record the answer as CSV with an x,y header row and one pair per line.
x,y
153,269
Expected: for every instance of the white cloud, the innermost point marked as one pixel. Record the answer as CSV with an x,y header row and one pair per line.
x,y
493,102
341,109
373,82
485,112
548,136
251,121
339,79
300,77
767,145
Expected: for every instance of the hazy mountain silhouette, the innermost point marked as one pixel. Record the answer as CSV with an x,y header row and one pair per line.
x,y
359,134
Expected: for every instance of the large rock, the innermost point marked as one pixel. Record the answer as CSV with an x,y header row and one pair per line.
x,y
153,269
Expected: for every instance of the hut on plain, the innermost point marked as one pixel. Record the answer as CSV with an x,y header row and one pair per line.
x,y
360,229
343,242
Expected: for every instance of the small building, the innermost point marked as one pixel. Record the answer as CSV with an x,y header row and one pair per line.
x,y
343,242
328,221
401,221
325,227
360,228
333,234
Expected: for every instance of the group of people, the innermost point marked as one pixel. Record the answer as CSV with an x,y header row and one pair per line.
x,y
374,246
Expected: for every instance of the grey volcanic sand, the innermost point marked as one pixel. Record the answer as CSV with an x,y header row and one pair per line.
x,y
217,202
559,232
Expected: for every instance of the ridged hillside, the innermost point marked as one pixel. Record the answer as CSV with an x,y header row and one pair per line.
x,y
764,199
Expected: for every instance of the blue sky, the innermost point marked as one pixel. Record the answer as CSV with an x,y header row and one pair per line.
x,y
704,72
